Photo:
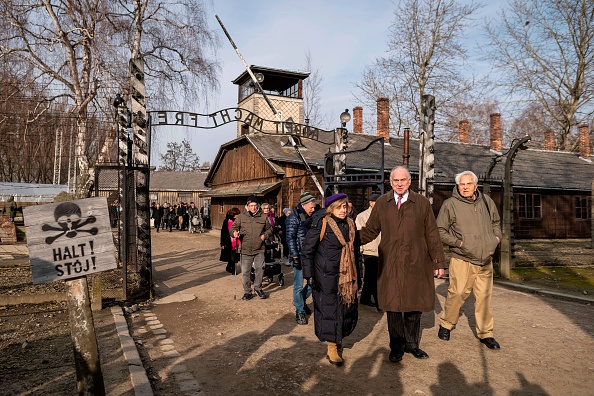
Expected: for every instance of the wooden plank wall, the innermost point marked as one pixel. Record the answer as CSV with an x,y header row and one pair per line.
x,y
241,164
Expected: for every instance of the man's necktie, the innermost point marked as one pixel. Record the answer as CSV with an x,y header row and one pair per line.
x,y
399,201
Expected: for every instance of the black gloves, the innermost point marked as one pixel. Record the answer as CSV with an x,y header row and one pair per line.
x,y
312,283
296,262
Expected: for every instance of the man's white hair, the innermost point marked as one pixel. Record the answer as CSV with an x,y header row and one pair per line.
x,y
474,177
408,176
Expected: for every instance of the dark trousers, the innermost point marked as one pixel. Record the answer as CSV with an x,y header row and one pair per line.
x,y
405,330
369,280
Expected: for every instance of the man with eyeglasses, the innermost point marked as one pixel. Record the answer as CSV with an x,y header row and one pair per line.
x,y
253,229
410,255
468,223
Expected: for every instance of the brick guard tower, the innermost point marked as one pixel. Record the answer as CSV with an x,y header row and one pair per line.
x,y
284,88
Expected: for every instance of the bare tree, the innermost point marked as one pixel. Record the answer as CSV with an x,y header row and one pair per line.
x,y
179,157
545,52
60,40
80,51
178,47
474,106
312,95
424,57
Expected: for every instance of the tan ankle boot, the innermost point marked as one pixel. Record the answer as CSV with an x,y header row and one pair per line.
x,y
333,355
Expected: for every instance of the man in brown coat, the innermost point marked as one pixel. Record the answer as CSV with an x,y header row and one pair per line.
x,y
410,254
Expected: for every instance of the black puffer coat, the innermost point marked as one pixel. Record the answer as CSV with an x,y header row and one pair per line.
x,y
321,262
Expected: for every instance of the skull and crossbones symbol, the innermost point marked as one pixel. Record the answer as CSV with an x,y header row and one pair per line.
x,y
69,218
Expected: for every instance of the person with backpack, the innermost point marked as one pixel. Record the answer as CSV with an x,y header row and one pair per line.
x,y
297,224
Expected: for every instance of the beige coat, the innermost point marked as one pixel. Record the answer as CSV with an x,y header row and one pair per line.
x,y
369,249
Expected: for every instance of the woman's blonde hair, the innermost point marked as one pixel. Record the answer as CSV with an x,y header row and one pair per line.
x,y
335,204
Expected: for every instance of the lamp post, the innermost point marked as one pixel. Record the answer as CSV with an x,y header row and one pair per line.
x,y
345,117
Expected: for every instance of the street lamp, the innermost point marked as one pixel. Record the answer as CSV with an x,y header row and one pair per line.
x,y
345,117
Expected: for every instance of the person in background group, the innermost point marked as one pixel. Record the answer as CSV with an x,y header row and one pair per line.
x,y
180,216
206,215
276,252
410,255
468,223
165,219
158,214
282,233
370,258
332,267
171,218
229,245
185,217
253,229
297,225
269,243
192,211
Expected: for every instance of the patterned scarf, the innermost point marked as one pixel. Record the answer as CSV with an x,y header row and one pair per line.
x,y
347,280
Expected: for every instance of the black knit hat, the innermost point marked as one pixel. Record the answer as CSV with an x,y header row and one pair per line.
x,y
374,197
252,198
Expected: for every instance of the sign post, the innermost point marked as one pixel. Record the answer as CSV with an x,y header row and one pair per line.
x,y
67,241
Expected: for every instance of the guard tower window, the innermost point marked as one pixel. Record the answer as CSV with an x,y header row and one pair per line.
x,y
274,82
248,88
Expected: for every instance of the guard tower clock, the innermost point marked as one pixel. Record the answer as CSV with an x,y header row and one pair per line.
x,y
284,89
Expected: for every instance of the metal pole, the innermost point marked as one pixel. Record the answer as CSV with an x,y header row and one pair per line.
x,y
427,159
254,79
406,147
506,242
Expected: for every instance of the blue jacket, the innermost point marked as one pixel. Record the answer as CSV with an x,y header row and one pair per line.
x,y
297,225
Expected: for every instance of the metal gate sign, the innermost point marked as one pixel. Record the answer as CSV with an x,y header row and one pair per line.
x,y
69,239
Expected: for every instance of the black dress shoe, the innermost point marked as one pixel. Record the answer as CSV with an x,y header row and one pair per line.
x,y
417,352
395,357
443,333
261,294
247,296
490,343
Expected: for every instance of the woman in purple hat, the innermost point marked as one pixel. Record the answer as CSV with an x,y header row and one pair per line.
x,y
332,268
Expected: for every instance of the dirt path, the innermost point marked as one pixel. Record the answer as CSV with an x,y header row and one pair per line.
x,y
255,347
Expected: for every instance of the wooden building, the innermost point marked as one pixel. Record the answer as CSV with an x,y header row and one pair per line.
x,y
552,190
165,186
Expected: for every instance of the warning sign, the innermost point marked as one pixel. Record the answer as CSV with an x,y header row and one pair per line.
x,y
69,239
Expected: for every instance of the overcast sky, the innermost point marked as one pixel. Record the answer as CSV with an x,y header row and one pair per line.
x,y
342,36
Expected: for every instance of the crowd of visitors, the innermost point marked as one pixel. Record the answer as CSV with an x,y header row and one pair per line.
x,y
182,217
385,257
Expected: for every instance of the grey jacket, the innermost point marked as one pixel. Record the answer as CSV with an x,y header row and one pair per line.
x,y
469,221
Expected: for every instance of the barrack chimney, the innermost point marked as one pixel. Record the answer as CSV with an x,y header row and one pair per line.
x,y
383,119
358,119
495,132
549,140
584,135
463,128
